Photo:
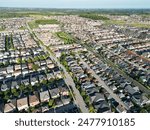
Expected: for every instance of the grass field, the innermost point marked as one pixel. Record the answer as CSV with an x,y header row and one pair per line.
x,y
22,28
50,21
117,22
36,23
65,37
120,22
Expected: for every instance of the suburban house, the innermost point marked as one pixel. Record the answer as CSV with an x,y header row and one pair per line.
x,y
33,100
10,107
22,103
54,93
100,103
135,95
44,96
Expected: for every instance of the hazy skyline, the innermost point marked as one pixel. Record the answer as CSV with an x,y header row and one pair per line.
x,y
76,3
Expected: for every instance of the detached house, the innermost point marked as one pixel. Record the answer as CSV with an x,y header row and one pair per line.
x,y
10,107
100,103
44,96
33,100
10,69
54,93
22,103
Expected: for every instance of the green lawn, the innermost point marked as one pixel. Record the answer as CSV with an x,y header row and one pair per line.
x,y
50,21
117,22
140,25
36,23
65,37
22,28
120,22
33,25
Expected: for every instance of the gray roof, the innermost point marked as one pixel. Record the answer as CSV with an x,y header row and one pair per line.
x,y
102,106
14,84
92,91
33,79
4,87
60,83
97,97
54,92
130,90
88,85
44,95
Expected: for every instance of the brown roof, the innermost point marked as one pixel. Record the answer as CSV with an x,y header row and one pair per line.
x,y
9,107
21,102
30,65
33,100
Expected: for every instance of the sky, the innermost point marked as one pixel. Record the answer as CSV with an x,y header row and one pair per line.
x,y
76,3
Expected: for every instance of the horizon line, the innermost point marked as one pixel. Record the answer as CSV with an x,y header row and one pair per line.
x,y
71,8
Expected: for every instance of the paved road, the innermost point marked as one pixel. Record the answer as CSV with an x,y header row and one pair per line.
x,y
69,81
78,98
136,83
101,82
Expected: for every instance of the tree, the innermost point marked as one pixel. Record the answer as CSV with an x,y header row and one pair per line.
x,y
31,109
6,63
44,82
87,100
94,16
6,43
35,67
6,95
23,61
47,55
51,102
83,94
11,42
18,60
41,57
29,60
51,80
143,111
1,64
22,87
54,105
91,109
36,58
30,88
